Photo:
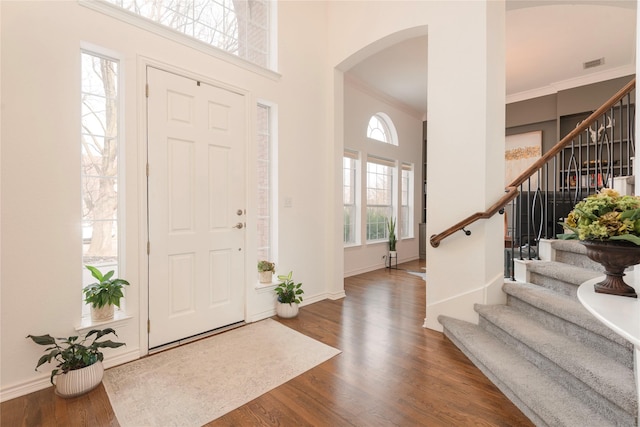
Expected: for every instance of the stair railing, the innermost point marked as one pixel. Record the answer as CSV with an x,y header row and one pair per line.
x,y
598,149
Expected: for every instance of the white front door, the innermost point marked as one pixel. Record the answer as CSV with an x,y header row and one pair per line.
x,y
196,191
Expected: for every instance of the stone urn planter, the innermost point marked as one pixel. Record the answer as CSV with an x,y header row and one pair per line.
x,y
615,257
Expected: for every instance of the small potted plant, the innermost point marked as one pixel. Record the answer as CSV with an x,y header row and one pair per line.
x,y
266,270
79,367
103,295
391,228
289,296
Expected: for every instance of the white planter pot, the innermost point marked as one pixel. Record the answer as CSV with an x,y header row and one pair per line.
x,y
102,314
265,276
80,381
286,310
393,254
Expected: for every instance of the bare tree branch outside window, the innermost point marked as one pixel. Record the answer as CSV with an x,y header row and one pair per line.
x,y
240,27
99,158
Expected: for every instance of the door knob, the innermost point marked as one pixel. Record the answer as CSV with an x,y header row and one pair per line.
x,y
238,225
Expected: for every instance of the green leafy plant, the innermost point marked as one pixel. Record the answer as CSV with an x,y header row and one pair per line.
x,y
391,228
288,292
605,216
266,266
105,291
74,353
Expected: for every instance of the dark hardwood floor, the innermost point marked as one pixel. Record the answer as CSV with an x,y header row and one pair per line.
x,y
391,372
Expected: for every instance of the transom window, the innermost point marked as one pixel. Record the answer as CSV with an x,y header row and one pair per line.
x,y
240,27
381,129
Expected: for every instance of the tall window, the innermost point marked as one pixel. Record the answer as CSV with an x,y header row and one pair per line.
x,y
379,197
264,182
100,146
349,197
406,201
381,129
240,27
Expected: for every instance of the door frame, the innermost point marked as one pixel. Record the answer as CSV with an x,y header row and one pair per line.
x,y
143,202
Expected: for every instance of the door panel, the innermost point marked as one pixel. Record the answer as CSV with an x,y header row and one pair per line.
x,y
197,138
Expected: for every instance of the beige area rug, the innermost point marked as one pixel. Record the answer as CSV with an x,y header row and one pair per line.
x,y
201,381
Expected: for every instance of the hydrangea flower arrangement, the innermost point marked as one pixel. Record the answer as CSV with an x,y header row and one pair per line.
x,y
605,216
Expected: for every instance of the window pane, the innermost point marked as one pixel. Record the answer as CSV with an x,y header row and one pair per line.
x,y
379,199
240,27
263,173
99,150
349,199
406,211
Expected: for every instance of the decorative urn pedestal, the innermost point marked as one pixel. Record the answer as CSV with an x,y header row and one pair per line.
x,y
615,257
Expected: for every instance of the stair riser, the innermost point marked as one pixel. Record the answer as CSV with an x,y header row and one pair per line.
x,y
578,260
609,348
559,286
595,400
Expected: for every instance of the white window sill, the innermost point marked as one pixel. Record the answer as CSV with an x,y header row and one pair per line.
x,y
263,287
119,318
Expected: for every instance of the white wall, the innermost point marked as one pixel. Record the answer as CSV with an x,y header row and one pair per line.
x,y
359,105
465,115
40,199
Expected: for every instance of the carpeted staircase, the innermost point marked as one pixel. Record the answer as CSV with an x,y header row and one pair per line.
x,y
547,353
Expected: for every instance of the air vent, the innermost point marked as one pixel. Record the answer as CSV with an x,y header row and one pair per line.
x,y
592,64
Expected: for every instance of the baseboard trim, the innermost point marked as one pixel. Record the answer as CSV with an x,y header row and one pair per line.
x,y
42,381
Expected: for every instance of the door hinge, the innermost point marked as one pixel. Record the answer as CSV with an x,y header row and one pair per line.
x,y
148,248
146,90
147,170
148,325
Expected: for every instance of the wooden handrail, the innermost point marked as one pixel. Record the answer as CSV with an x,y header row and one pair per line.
x,y
512,189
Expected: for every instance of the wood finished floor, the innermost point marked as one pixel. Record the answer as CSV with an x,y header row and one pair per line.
x,y
391,372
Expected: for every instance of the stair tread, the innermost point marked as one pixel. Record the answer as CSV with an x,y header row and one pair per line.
x,y
612,378
564,272
562,306
535,389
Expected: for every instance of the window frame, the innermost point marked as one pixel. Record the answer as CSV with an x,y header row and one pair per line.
x,y
119,268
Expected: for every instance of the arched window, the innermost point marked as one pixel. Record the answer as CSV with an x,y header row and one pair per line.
x,y
381,129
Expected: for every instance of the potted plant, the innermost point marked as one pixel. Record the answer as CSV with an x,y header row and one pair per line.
x,y
266,270
103,295
289,296
79,367
391,228
608,224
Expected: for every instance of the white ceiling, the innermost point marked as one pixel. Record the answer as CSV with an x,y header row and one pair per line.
x,y
547,43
